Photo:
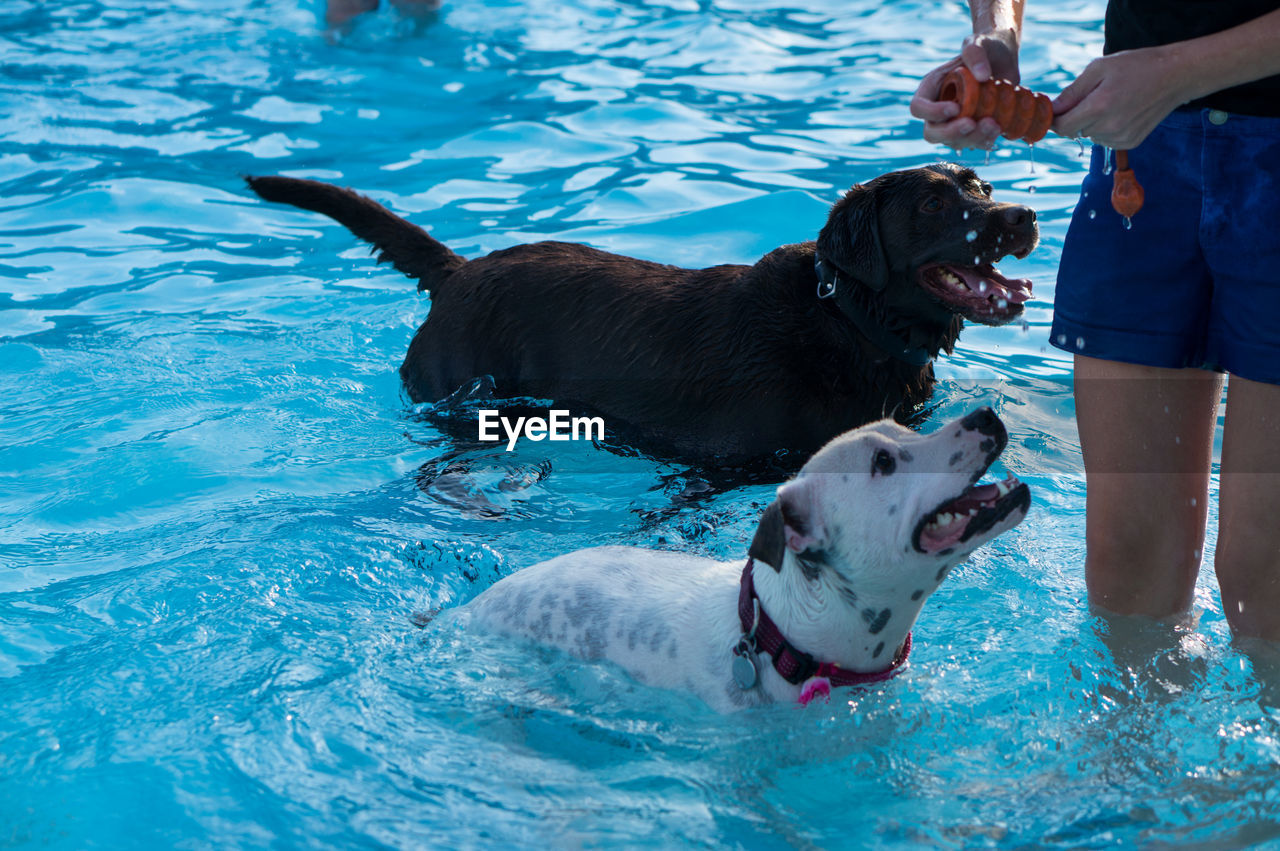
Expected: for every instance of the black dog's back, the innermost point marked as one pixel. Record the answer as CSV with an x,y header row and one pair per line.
x,y
728,361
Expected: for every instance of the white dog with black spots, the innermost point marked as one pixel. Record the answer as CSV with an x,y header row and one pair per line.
x,y
842,562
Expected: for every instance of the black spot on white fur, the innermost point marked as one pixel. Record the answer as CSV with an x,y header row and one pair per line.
x,y
876,621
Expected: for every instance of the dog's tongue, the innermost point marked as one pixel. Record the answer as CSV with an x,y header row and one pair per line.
x,y
954,518
986,281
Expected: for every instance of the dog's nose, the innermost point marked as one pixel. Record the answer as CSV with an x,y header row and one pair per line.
x,y
983,421
1018,217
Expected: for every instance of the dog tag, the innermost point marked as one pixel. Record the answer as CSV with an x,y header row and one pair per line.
x,y
744,667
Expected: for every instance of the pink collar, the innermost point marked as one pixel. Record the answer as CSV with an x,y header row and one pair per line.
x,y
761,635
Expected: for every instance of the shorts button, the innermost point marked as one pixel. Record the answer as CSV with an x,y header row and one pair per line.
x,y
1217,116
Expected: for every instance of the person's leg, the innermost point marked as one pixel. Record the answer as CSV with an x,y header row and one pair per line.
x,y
338,12
1147,438
1247,559
416,8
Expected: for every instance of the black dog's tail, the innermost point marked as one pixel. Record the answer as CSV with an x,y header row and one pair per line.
x,y
409,248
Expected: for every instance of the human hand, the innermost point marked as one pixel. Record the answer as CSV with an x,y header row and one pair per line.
x,y
986,55
1119,99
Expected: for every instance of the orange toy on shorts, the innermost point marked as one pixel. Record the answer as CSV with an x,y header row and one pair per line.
x,y
1126,193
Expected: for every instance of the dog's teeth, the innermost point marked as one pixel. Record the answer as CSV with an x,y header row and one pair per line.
x,y
972,511
1002,488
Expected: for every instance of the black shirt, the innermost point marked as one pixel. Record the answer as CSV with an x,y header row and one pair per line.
x,y
1147,23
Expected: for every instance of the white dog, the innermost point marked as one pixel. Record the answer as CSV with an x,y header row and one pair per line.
x,y
841,563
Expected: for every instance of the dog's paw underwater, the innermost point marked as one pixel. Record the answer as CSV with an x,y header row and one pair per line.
x,y
839,568
728,361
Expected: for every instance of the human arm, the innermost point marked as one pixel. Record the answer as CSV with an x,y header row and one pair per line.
x,y
991,51
1118,99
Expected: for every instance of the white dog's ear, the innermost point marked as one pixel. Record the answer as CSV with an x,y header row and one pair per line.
x,y
788,523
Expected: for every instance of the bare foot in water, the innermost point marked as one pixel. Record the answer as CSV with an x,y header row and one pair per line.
x,y
338,12
416,8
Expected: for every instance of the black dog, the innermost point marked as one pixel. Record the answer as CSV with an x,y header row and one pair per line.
x,y
814,339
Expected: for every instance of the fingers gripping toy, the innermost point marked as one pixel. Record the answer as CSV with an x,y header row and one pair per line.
x,y
1026,115
1021,113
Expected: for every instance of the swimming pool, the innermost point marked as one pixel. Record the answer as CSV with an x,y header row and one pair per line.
x,y
221,521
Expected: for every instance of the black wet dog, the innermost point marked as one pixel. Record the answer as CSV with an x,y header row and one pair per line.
x,y
814,339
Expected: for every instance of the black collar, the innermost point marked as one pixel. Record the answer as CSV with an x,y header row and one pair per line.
x,y
879,336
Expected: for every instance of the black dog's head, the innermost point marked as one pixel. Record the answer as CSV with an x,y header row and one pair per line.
x,y
925,242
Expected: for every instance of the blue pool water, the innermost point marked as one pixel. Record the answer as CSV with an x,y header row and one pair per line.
x,y
221,521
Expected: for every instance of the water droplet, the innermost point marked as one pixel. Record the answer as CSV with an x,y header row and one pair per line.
x,y
1128,222
1240,606
1079,342
1062,339
1193,502
982,286
1081,141
1031,189
1084,194
1026,326
987,159
1106,160
977,261
1166,409
1093,213
966,215
1032,149
1002,303
971,235
1177,439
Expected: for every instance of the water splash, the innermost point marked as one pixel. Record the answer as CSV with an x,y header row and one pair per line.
x,y
1106,160
971,235
1093,214
1128,223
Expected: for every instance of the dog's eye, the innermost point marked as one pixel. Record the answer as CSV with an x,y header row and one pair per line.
x,y
986,189
882,463
932,204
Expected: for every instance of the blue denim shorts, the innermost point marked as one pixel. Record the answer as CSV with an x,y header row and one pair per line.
x,y
1195,280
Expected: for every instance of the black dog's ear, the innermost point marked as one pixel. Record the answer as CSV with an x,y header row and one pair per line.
x,y
770,543
850,239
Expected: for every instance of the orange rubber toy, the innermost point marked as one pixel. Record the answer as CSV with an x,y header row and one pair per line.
x,y
1026,115
1021,113
1126,193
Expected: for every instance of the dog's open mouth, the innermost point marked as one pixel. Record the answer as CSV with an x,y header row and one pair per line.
x,y
979,509
976,292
